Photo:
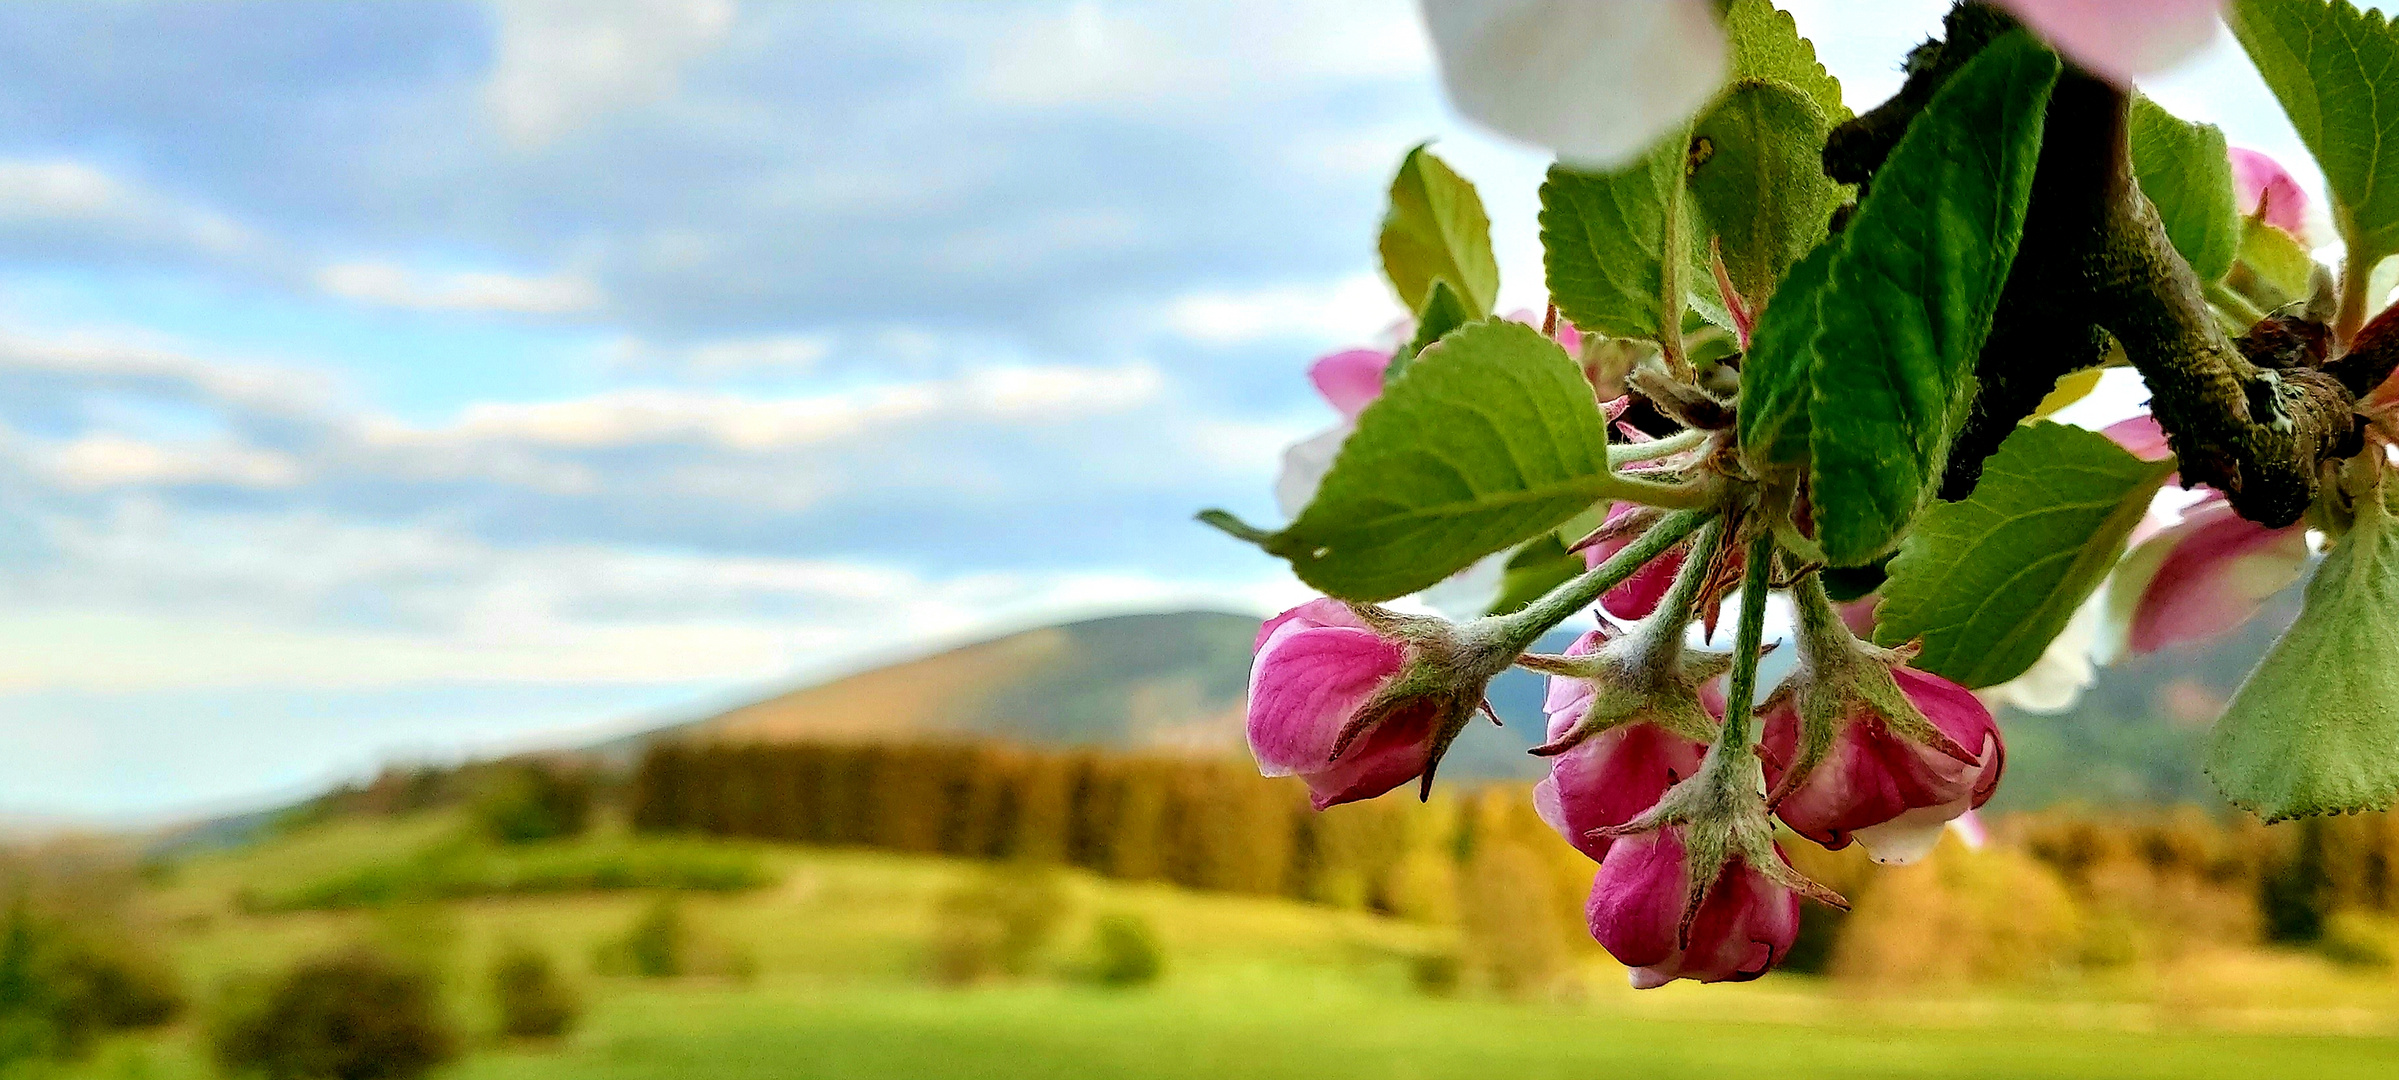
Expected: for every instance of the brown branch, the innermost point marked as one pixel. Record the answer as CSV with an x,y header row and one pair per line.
x,y
2253,418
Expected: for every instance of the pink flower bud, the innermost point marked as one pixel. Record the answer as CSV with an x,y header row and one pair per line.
x,y
1892,792
1639,594
2260,184
1608,779
1316,666
2206,575
2141,436
1641,910
1350,380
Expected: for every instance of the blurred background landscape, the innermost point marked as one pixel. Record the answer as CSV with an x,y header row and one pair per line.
x,y
653,540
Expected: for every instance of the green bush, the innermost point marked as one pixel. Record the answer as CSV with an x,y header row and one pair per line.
x,y
531,802
654,947
1126,951
2353,939
532,1001
996,922
352,1015
64,982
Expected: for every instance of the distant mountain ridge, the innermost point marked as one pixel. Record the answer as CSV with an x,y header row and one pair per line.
x,y
1172,681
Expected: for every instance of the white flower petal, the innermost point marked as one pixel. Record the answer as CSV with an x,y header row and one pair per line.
x,y
1469,592
1597,82
2055,681
1304,466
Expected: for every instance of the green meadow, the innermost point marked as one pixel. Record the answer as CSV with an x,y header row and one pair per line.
x,y
822,974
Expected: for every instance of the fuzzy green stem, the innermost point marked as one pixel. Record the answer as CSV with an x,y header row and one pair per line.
x,y
1621,454
1697,495
1820,625
1734,740
1517,632
1664,628
2233,304
2357,277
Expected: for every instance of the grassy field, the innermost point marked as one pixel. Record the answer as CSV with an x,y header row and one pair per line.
x,y
1254,988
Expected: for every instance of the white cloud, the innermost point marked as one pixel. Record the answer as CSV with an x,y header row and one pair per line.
x,y
1355,308
1119,56
393,285
91,365
638,416
64,191
566,63
773,354
268,594
107,460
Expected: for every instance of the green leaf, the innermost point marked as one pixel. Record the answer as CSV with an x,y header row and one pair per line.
x,y
1444,311
1775,387
1757,182
1913,286
1985,583
1542,564
1436,229
2315,729
2273,269
2184,170
2331,66
1490,439
1766,45
1605,239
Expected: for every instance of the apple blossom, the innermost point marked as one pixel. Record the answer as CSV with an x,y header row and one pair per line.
x,y
1734,927
1889,792
1600,83
1609,778
2262,187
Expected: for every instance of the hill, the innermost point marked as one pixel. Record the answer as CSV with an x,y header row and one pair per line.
x,y
1175,681
1171,681
1129,682
2139,733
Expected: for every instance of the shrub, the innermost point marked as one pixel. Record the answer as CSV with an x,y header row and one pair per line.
x,y
530,998
1961,916
1512,932
1126,951
531,802
654,947
2353,939
351,1015
1437,972
662,943
996,922
64,982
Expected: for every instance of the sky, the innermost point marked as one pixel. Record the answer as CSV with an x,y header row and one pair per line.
x,y
403,380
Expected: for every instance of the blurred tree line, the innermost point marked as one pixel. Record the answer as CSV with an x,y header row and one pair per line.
x,y
2070,888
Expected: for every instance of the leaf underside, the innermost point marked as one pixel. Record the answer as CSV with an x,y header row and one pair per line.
x,y
1985,583
2315,729
1604,238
